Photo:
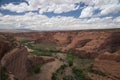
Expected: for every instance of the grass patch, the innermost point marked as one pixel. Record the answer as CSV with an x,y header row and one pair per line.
x,y
79,74
39,49
41,53
70,58
3,74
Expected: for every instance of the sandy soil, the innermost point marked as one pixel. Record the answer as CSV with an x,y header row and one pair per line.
x,y
48,69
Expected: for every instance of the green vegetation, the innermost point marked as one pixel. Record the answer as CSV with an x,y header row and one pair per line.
x,y
60,71
70,58
69,77
3,73
62,67
79,74
78,70
38,53
37,69
54,76
23,42
43,52
39,49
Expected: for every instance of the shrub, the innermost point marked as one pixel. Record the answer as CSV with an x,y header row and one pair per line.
x,y
54,76
69,77
23,42
70,58
62,67
3,73
54,50
30,45
79,74
39,53
37,69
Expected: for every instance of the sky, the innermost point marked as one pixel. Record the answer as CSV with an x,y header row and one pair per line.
x,y
59,14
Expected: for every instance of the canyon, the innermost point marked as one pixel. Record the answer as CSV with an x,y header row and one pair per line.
x,y
94,53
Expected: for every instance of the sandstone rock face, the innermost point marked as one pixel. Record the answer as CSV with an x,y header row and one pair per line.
x,y
36,60
86,44
109,63
112,44
98,77
16,62
110,68
62,38
5,45
20,64
110,56
103,46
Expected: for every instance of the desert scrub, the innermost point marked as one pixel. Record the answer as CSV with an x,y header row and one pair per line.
x,y
54,50
69,77
3,73
79,74
40,53
37,69
23,42
62,67
70,58
55,75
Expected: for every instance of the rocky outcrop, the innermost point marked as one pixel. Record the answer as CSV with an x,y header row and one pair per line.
x,y
86,44
112,43
103,46
16,63
62,38
109,64
110,56
6,45
110,68
36,60
20,64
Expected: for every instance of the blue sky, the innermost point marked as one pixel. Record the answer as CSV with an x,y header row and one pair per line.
x,y
59,15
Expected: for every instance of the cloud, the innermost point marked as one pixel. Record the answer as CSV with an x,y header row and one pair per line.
x,y
117,20
106,7
59,6
87,19
87,12
42,22
16,8
55,6
1,15
111,9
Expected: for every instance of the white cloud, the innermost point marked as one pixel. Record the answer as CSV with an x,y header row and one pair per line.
x,y
106,7
16,8
42,22
56,6
60,6
1,15
117,20
87,12
111,9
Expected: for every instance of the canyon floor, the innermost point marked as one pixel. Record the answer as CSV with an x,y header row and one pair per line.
x,y
60,55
